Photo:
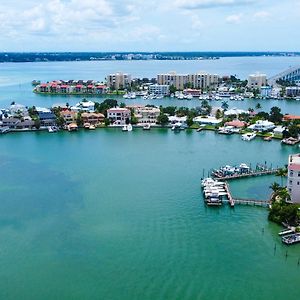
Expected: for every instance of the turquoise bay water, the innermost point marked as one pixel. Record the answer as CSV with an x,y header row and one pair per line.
x,y
15,78
113,215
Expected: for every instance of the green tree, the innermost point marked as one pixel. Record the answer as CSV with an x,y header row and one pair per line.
x,y
79,120
162,119
189,121
37,123
172,89
275,115
282,172
106,122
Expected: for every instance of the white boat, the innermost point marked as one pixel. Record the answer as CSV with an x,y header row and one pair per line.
x,y
52,129
129,127
126,96
92,127
248,136
132,96
189,96
125,128
147,127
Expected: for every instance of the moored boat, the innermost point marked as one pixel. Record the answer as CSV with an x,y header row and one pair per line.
x,y
248,136
147,127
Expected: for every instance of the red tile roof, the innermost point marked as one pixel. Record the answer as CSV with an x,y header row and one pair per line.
x,y
291,117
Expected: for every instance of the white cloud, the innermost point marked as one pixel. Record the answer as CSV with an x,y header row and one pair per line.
x,y
234,19
262,15
198,4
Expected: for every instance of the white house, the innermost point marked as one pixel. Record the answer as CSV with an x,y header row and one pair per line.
x,y
293,181
87,106
176,120
262,125
207,121
235,111
118,116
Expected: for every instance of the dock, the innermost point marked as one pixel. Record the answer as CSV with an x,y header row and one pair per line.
x,y
229,196
4,129
245,175
217,198
291,239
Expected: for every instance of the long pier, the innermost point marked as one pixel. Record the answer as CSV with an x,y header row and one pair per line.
x,y
245,175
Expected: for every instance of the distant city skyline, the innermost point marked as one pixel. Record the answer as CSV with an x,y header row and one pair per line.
x,y
136,25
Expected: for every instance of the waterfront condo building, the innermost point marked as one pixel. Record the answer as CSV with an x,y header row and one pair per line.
x,y
256,81
199,80
118,116
293,182
118,81
159,89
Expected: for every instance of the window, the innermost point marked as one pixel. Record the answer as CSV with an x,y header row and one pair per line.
x,y
298,183
291,173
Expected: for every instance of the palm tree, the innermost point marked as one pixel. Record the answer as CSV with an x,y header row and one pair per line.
x,y
258,106
224,105
284,195
282,172
275,187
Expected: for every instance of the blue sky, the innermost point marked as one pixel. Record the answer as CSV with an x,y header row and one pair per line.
x,y
156,25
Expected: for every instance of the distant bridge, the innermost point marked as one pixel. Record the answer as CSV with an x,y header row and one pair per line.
x,y
292,74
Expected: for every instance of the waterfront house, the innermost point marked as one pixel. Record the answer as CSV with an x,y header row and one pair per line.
x,y
69,116
289,118
10,122
46,116
101,89
146,115
235,112
25,125
118,116
92,118
177,120
262,126
86,106
236,124
207,121
293,181
278,130
18,109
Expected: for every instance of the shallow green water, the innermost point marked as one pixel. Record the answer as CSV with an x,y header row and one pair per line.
x,y
113,215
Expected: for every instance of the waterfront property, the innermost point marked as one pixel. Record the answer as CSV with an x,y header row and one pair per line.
x,y
256,81
79,87
92,118
144,114
198,80
159,89
118,80
118,115
293,181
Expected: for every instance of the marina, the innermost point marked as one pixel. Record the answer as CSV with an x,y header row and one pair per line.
x,y
242,171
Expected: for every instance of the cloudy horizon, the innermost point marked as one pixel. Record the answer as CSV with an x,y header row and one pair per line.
x,y
136,25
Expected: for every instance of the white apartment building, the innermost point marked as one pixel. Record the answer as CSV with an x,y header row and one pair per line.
x,y
159,89
118,80
293,182
181,81
118,116
256,81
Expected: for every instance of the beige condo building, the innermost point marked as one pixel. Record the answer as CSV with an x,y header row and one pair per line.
x,y
199,80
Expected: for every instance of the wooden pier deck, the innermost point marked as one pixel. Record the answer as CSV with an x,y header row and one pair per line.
x,y
245,175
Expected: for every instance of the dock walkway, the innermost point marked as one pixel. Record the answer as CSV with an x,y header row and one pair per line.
x,y
245,175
